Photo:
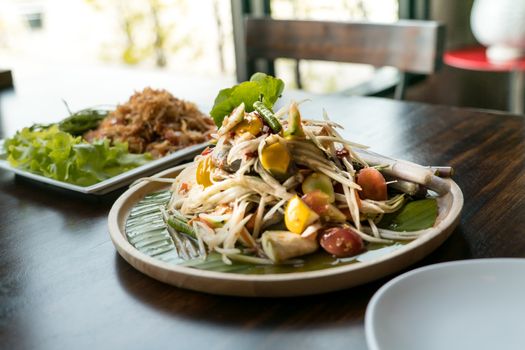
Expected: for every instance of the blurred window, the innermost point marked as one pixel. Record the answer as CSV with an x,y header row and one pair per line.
x,y
181,35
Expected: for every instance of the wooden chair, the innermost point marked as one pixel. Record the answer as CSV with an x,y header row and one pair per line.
x,y
410,46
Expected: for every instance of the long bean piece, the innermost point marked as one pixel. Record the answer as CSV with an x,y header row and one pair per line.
x,y
268,116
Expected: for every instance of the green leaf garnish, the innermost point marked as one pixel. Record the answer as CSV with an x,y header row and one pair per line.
x,y
260,87
414,216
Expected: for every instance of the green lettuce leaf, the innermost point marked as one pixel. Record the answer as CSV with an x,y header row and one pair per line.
x,y
260,86
414,216
61,156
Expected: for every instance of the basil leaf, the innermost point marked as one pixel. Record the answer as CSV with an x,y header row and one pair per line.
x,y
271,88
260,86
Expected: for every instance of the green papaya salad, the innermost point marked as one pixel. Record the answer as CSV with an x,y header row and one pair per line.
x,y
277,186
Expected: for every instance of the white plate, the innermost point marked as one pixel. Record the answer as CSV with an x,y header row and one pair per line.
x,y
114,182
287,284
470,304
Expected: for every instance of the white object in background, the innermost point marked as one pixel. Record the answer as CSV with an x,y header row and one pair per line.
x,y
471,304
500,26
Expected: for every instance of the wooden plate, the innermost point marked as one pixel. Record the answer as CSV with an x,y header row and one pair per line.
x,y
277,285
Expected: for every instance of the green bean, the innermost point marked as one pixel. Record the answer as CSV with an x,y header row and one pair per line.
x,y
268,116
82,121
181,226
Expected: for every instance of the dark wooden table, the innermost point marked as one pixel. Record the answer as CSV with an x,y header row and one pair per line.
x,y
63,285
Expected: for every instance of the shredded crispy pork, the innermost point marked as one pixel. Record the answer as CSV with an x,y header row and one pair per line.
x,y
155,121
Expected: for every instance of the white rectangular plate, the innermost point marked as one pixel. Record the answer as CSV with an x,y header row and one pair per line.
x,y
118,181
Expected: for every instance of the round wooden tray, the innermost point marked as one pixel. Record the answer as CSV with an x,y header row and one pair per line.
x,y
277,285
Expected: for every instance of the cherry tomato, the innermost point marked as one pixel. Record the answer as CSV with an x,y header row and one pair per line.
x,y
341,242
372,183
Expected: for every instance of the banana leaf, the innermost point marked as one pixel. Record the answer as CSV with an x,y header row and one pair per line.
x,y
147,231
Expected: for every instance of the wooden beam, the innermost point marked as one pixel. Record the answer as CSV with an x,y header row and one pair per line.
x,y
6,79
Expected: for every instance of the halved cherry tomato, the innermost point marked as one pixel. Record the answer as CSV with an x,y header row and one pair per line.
x,y
341,242
319,202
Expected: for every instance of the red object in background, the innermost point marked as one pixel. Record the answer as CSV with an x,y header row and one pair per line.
x,y
474,58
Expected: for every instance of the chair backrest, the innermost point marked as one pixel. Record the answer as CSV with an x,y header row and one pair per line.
x,y
411,46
